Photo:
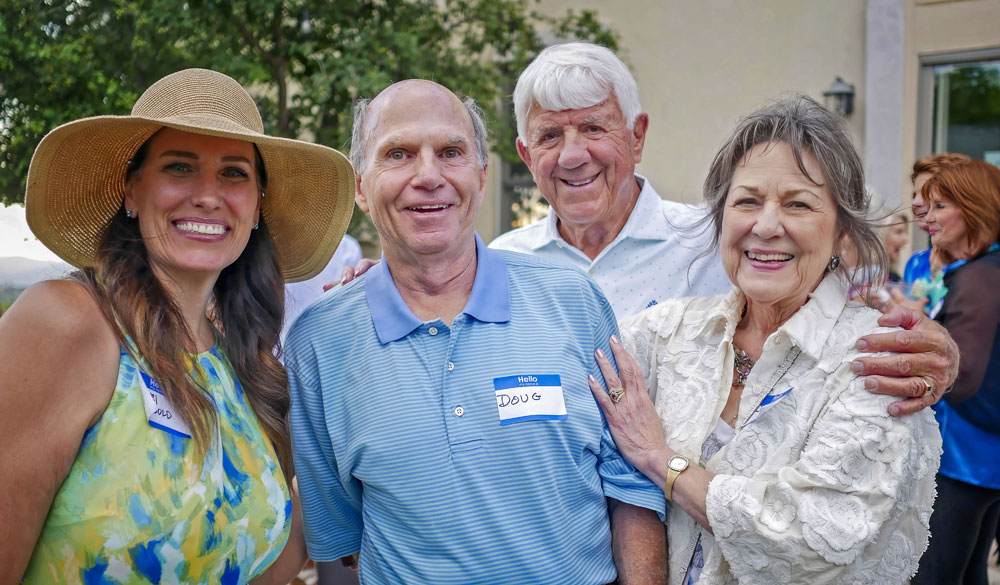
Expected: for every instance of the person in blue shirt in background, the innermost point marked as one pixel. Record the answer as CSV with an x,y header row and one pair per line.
x,y
921,291
441,417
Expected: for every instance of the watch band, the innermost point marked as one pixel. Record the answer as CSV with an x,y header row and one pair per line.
x,y
676,465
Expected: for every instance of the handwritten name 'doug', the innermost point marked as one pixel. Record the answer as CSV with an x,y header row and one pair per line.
x,y
521,395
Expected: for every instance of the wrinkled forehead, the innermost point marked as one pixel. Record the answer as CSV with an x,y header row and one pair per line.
x,y
606,111
418,109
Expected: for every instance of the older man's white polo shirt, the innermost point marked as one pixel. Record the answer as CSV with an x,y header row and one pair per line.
x,y
401,447
656,256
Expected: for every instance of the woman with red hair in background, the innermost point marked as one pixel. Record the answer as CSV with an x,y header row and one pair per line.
x,y
963,220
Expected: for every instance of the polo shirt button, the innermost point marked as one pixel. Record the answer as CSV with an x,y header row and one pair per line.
x,y
433,331
459,411
451,366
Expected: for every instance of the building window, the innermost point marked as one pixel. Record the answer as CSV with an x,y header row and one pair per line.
x,y
958,104
967,109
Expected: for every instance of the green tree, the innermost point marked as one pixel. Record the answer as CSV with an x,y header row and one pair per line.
x,y
305,61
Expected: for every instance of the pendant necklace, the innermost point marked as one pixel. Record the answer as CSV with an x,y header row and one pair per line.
x,y
742,363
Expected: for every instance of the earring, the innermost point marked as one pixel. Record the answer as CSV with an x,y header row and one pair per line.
x,y
128,213
255,226
834,263
262,194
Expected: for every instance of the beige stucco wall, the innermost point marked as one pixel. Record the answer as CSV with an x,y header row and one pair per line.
x,y
701,65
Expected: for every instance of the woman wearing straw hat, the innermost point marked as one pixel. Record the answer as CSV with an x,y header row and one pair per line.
x,y
140,442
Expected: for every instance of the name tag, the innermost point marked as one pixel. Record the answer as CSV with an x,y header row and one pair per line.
x,y
159,412
767,404
529,397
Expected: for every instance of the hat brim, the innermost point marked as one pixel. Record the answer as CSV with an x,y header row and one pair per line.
x,y
76,183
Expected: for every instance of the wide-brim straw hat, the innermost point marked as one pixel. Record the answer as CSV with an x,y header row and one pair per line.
x,y
76,181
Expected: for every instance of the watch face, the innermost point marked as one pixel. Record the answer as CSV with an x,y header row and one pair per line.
x,y
677,463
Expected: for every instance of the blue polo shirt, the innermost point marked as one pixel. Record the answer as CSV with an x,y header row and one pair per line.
x,y
408,447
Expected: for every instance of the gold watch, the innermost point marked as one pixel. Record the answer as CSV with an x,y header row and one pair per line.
x,y
676,465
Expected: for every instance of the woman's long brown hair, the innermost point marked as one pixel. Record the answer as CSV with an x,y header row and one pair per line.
x,y
249,305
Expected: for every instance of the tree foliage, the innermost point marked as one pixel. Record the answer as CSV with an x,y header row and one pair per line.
x,y
305,61
974,95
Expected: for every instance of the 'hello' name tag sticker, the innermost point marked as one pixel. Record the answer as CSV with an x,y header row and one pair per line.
x,y
160,413
529,397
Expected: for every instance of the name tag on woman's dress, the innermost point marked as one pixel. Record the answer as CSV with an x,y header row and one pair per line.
x,y
160,413
767,404
529,397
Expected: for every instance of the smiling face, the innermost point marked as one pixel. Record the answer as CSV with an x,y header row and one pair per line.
x,y
197,199
583,161
947,227
422,183
779,229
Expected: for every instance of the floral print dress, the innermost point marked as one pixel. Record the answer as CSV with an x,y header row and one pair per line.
x,y
141,506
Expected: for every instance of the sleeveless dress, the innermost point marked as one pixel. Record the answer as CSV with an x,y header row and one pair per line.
x,y
140,506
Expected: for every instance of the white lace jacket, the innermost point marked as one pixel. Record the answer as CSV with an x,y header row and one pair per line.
x,y
820,484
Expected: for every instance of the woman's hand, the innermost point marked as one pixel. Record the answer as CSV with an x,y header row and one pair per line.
x,y
633,421
349,273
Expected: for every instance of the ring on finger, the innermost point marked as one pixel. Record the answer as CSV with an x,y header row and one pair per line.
x,y
616,393
928,386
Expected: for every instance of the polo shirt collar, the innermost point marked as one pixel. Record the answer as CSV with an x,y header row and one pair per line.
x,y
489,300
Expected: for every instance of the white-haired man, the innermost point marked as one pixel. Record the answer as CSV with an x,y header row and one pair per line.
x,y
581,131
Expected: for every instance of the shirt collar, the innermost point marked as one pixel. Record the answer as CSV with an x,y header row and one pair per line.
x,y
646,222
810,326
489,300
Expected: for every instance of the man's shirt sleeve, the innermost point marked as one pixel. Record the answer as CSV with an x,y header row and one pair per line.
x,y
331,503
620,479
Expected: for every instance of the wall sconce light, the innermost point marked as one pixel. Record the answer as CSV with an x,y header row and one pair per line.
x,y
839,97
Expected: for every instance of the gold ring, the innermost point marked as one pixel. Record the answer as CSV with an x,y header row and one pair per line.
x,y
928,387
616,393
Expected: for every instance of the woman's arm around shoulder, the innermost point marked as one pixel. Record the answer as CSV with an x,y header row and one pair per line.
x,y
57,373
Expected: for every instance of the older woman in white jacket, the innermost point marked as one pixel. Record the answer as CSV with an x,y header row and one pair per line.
x,y
780,466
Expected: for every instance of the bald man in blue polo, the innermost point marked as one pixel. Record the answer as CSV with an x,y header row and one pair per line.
x,y
441,419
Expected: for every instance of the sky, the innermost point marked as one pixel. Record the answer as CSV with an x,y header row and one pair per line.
x,y
17,240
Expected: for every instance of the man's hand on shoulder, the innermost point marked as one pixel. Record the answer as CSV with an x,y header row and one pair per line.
x,y
926,355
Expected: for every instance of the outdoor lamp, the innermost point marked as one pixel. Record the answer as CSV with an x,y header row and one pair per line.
x,y
839,97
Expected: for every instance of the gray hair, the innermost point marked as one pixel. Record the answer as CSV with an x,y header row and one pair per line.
x,y
805,125
359,133
573,76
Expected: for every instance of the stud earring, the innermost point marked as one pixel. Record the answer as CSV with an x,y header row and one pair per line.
x,y
262,194
834,263
255,226
128,213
